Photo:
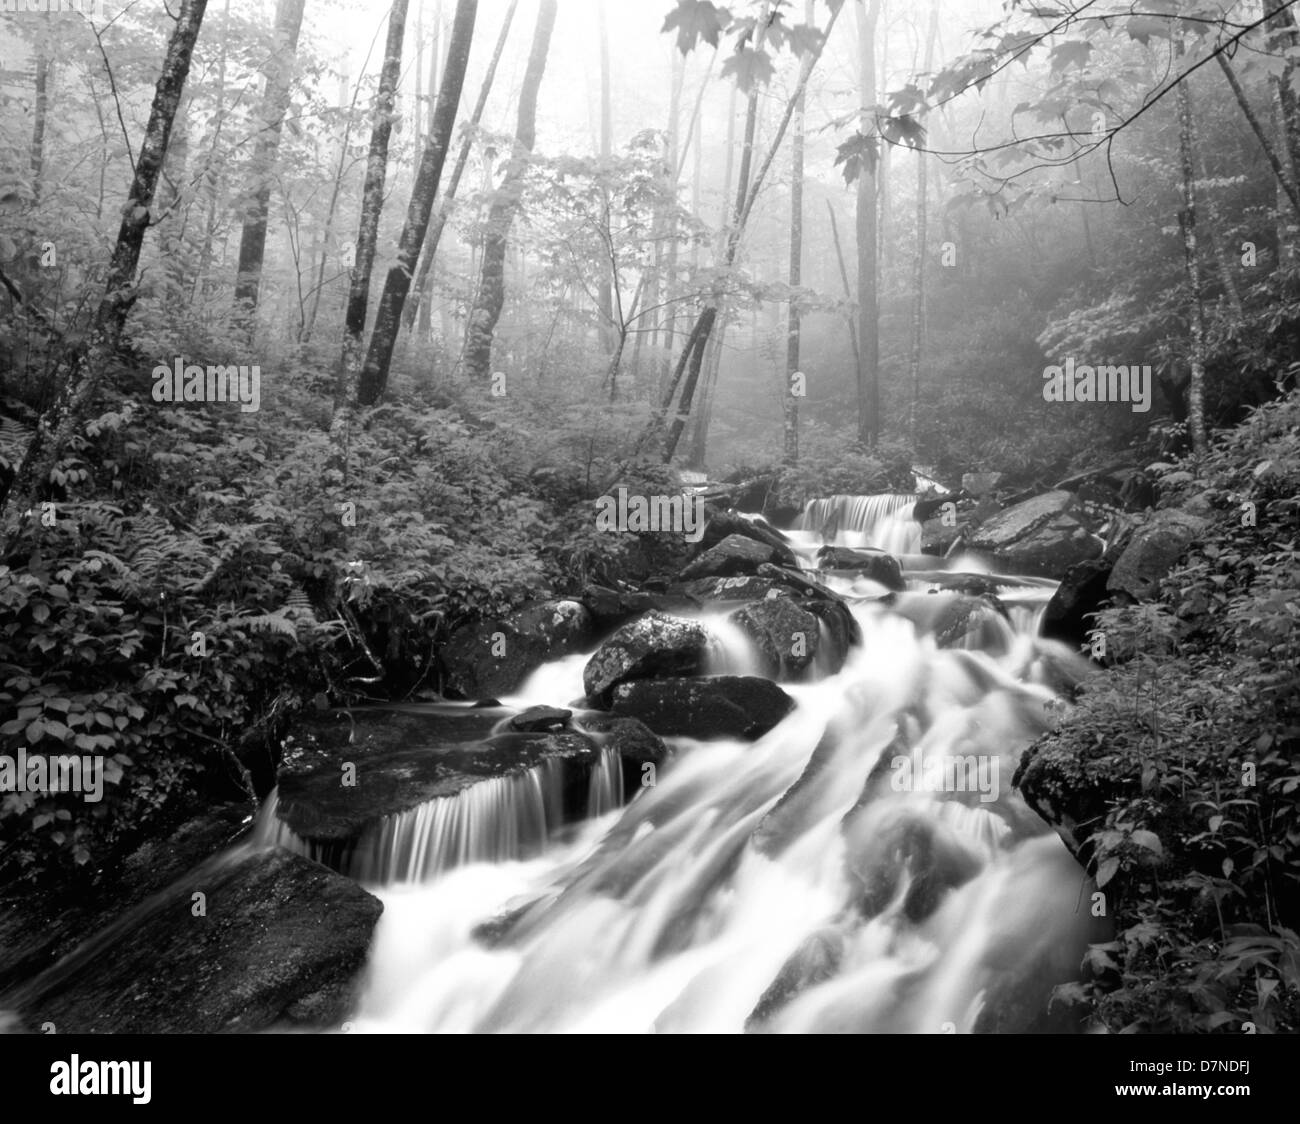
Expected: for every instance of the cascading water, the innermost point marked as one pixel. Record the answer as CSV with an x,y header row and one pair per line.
x,y
865,866
501,819
883,522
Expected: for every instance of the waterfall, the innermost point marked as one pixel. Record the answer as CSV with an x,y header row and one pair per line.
x,y
501,819
884,522
865,866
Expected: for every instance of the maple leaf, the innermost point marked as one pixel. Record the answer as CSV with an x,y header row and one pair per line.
x,y
751,68
1072,52
1142,28
696,20
857,153
903,130
805,39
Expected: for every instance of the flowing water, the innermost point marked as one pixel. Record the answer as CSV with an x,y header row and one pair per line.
x,y
865,866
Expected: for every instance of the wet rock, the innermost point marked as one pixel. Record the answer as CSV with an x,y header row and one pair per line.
x,y
816,960
653,645
1082,592
874,564
723,524
1043,536
957,621
726,706
540,720
742,587
736,554
785,636
321,808
842,630
493,657
635,743
1152,551
281,941
610,608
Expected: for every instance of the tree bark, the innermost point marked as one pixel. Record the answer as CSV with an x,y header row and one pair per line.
x,y
80,372
372,203
275,103
789,400
43,64
488,302
374,375
867,232
462,159
918,267
1196,387
1284,178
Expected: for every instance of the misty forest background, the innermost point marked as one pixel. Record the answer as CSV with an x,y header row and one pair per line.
x,y
493,259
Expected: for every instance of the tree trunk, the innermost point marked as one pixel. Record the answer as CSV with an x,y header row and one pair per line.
x,y
1284,178
372,203
38,123
790,397
1196,388
867,223
490,298
374,376
462,159
80,371
605,294
275,103
918,267
693,353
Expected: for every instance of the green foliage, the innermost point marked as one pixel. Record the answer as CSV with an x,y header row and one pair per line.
x,y
1192,738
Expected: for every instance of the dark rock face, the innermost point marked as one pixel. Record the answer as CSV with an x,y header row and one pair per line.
x,y
723,524
1043,536
541,720
1152,551
322,809
842,630
281,941
634,742
493,657
1082,591
785,635
36,928
653,645
742,587
874,564
736,554
728,706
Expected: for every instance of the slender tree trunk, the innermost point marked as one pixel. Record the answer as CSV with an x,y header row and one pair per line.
x,y
791,391
605,294
462,159
39,119
867,221
844,280
214,178
275,103
1283,176
693,353
372,203
374,376
918,267
486,311
80,371
1196,388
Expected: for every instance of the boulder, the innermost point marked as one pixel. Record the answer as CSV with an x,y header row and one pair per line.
x,y
1152,552
742,587
653,645
1082,592
727,706
736,554
1041,536
281,942
636,744
540,720
784,635
877,565
842,631
723,524
493,657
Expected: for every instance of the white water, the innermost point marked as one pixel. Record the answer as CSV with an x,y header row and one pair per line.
x,y
882,906
883,522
